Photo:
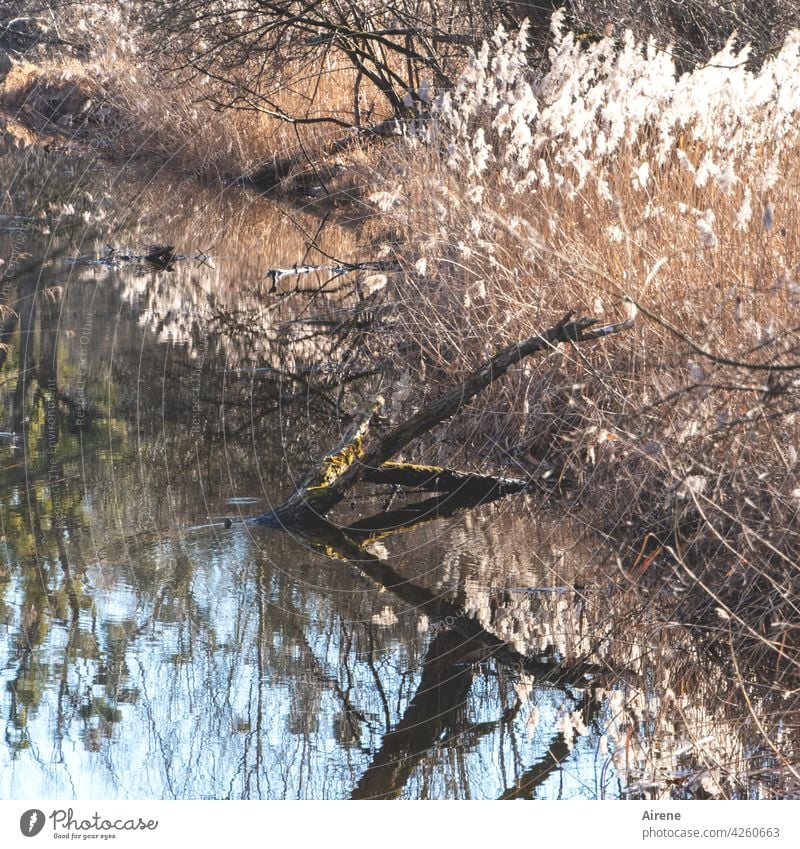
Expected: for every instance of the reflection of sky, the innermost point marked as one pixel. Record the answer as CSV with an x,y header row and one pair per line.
x,y
194,728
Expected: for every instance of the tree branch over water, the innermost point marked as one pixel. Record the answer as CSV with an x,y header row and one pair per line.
x,y
358,457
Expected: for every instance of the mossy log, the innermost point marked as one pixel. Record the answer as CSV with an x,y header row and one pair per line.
x,y
319,489
439,479
362,457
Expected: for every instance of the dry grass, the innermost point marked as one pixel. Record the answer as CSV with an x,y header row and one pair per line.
x,y
128,110
688,464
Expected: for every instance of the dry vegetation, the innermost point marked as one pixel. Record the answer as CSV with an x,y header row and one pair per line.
x,y
118,97
678,441
129,114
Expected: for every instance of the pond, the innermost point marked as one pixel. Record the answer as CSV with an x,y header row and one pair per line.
x,y
155,645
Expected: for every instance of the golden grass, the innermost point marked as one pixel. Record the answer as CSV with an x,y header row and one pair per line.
x,y
689,465
127,110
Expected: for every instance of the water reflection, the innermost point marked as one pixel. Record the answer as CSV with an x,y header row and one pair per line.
x,y
482,653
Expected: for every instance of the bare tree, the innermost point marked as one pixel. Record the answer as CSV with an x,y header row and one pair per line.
x,y
403,48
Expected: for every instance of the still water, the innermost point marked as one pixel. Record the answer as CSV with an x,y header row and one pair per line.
x,y
150,649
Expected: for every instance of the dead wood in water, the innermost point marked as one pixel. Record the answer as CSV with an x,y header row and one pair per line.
x,y
161,256
362,457
437,479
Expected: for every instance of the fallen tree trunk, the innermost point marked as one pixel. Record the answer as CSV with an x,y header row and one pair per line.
x,y
438,479
358,458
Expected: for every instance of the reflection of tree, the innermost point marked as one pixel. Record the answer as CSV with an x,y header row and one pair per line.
x,y
42,509
26,383
437,708
50,591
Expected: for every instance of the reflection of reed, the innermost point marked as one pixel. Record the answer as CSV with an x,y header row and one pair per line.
x,y
558,751
341,544
654,701
459,645
232,307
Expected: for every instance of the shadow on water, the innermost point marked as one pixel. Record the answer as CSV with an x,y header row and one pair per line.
x,y
435,649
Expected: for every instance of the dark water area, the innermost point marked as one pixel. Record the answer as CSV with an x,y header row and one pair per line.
x,y
149,651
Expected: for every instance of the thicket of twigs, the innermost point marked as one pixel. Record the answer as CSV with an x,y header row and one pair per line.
x,y
609,183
